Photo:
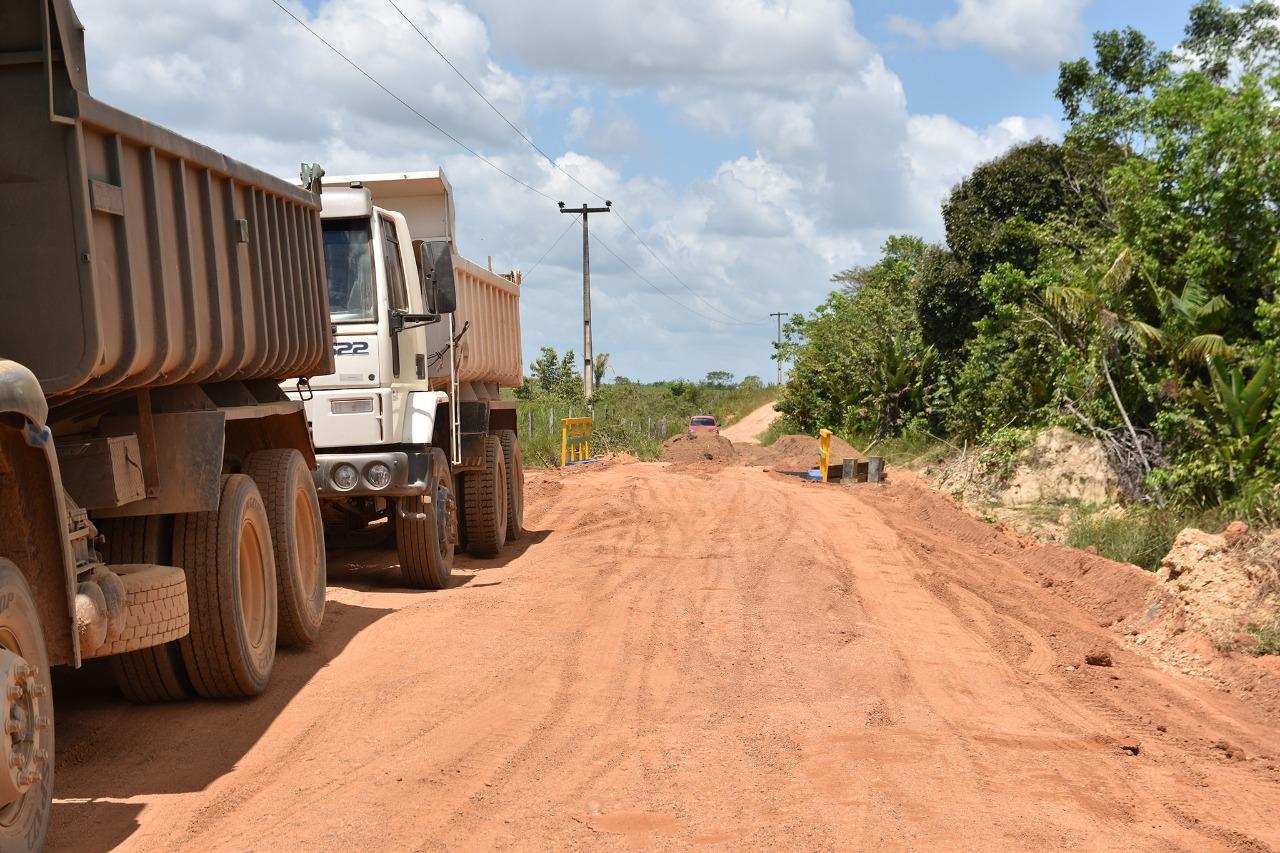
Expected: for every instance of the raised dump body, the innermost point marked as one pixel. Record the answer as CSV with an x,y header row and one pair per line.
x,y
489,354
133,257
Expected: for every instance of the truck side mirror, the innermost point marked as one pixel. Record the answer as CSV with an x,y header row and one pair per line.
x,y
435,270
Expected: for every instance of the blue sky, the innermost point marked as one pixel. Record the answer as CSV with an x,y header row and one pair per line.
x,y
759,146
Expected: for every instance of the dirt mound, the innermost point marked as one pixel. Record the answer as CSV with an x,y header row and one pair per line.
x,y
800,453
1221,582
699,447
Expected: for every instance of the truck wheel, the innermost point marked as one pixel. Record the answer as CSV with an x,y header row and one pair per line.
x,y
26,787
515,483
426,532
485,502
231,584
157,673
297,532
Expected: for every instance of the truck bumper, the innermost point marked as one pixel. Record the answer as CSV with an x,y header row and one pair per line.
x,y
410,473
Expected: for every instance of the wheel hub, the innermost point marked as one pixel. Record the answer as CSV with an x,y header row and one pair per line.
x,y
26,723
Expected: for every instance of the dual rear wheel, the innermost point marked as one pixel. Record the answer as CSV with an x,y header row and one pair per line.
x,y
255,577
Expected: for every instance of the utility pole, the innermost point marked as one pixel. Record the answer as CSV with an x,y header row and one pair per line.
x,y
588,363
780,315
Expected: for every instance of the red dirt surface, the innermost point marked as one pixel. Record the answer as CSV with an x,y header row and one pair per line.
x,y
670,660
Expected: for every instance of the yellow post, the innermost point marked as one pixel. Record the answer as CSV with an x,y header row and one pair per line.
x,y
824,452
564,441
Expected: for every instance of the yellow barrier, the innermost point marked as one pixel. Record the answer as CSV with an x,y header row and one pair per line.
x,y
575,440
824,452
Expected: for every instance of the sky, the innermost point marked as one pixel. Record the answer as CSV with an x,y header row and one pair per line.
x,y
754,147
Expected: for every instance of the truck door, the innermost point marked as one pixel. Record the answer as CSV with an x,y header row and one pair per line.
x,y
408,356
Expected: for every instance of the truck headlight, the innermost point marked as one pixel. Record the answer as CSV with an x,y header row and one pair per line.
x,y
378,475
344,476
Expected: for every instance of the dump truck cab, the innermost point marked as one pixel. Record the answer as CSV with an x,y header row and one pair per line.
x,y
410,430
373,418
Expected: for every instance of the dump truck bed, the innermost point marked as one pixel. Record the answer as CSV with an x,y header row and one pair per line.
x,y
134,257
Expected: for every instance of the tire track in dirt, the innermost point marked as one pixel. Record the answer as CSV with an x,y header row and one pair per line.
x,y
682,657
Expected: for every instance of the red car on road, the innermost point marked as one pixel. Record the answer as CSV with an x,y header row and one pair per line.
x,y
703,423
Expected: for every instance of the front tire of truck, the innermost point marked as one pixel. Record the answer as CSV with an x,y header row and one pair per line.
x,y
155,674
297,532
26,789
515,483
427,531
231,585
484,496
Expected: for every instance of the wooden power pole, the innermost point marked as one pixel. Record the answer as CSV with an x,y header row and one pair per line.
x,y
780,315
588,362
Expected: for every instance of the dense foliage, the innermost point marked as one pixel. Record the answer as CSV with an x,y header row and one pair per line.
x,y
1122,282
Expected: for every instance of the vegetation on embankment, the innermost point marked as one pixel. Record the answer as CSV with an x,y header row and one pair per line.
x,y
1121,283
630,417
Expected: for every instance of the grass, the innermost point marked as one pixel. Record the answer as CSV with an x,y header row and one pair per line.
x,y
1141,536
631,418
1268,637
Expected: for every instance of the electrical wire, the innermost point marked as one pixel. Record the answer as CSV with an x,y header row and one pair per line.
x,y
733,321
596,239
575,221
409,106
555,165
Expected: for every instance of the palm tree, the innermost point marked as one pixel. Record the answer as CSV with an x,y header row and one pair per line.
x,y
1089,306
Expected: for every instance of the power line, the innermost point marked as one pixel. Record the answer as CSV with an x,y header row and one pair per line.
x,y
555,165
640,276
733,321
672,273
409,106
525,277
551,160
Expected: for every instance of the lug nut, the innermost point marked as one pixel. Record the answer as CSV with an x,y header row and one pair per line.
x,y
12,727
40,756
42,722
37,690
15,759
14,692
28,777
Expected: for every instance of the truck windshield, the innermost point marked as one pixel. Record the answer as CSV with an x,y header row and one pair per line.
x,y
348,260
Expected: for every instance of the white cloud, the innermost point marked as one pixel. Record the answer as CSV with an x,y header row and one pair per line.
x,y
833,160
940,151
1028,33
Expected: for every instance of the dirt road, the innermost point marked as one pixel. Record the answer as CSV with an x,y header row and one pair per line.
x,y
748,429
697,658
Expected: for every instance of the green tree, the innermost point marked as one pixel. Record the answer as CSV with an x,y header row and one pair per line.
x,y
719,378
601,362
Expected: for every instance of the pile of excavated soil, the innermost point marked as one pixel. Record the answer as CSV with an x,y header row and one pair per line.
x,y
798,453
699,447
1220,582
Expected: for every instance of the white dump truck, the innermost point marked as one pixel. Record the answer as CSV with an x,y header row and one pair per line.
x,y
412,437
157,505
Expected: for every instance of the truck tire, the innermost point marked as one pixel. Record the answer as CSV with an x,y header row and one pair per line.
x,y
157,673
231,585
297,534
155,607
24,815
426,531
515,483
485,502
